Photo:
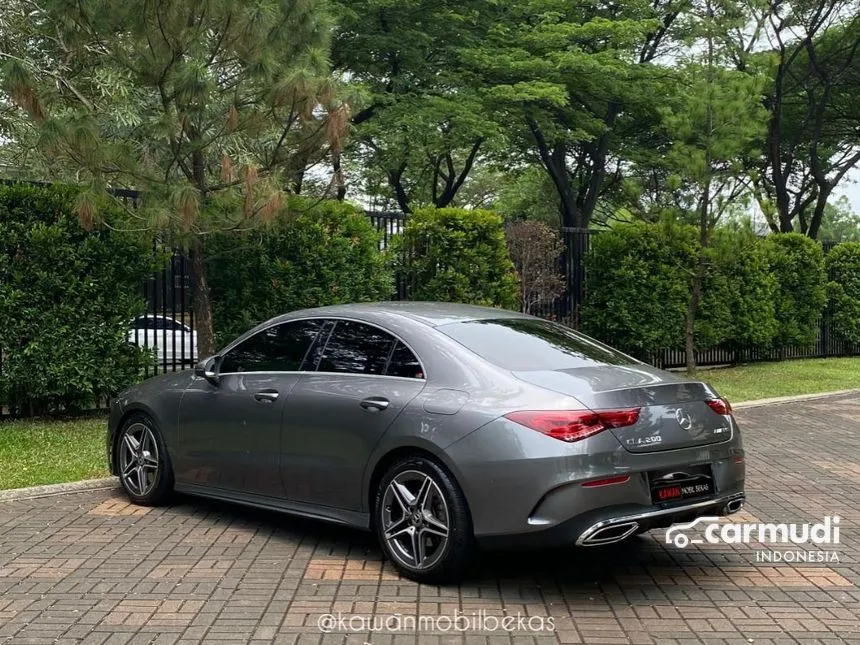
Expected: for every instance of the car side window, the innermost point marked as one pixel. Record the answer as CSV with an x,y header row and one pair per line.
x,y
280,348
315,352
356,348
404,363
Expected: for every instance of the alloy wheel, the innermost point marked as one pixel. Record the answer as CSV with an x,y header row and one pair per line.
x,y
138,456
415,520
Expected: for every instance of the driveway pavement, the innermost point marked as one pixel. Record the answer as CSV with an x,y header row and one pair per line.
x,y
89,568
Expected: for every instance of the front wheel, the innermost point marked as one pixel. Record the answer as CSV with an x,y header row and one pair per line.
x,y
422,521
145,472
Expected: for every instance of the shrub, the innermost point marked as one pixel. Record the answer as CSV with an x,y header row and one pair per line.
x,y
797,264
67,297
843,267
456,255
316,254
639,279
535,250
738,295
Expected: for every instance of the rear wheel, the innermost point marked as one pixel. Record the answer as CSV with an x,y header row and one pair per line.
x,y
145,472
422,521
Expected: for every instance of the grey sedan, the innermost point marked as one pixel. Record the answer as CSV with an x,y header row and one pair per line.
x,y
440,427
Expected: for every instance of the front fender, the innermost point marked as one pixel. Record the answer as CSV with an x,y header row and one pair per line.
x,y
158,398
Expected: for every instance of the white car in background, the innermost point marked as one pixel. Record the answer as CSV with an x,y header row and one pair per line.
x,y
175,343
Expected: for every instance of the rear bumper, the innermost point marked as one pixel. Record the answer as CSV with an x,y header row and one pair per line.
x,y
614,524
526,488
616,529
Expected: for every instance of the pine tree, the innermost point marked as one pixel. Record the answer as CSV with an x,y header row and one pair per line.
x,y
713,122
207,107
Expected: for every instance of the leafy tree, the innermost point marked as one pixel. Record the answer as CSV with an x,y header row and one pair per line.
x,y
528,194
456,255
67,298
424,123
840,223
535,250
812,56
209,107
573,82
712,124
843,267
322,253
797,263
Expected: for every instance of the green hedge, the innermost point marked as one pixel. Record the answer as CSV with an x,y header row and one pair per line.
x,y
639,278
756,293
738,305
456,255
316,253
67,297
843,267
797,264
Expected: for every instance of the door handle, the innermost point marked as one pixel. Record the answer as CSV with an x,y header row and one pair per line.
x,y
375,403
266,396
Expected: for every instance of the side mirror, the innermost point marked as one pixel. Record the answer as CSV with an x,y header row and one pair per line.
x,y
208,369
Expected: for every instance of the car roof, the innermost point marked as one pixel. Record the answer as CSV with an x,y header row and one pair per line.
x,y
432,314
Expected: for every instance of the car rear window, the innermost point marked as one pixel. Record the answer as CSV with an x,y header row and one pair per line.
x,y
522,344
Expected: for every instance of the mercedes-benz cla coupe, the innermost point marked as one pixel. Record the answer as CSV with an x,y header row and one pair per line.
x,y
440,427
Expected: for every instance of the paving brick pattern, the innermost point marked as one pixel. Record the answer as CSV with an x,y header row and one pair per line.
x,y
88,568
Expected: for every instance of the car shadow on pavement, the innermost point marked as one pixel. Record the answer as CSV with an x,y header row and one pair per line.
x,y
575,569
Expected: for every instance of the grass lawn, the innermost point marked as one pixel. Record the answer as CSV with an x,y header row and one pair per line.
x,y
43,451
47,451
785,378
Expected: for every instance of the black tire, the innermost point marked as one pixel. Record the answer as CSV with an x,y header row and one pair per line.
x,y
446,562
159,479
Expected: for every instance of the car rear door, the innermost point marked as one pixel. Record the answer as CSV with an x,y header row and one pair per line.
x,y
364,379
230,433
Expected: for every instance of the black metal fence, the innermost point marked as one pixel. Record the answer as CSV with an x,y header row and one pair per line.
x,y
168,295
566,309
167,327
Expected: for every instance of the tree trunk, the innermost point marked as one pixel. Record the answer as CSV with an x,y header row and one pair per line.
x,y
337,187
690,330
201,302
818,212
554,162
704,222
298,181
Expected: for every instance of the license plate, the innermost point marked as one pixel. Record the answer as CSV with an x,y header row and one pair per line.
x,y
688,482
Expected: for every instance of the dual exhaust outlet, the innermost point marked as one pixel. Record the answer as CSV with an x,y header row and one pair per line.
x,y
610,532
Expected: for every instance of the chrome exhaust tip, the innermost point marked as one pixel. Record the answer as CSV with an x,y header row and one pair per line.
x,y
734,506
598,535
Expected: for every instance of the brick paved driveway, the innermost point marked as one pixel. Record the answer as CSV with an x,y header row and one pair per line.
x,y
88,568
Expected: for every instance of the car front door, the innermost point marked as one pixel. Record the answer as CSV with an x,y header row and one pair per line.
x,y
336,415
229,432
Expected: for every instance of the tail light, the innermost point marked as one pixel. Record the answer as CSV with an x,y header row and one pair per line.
x,y
720,406
609,481
573,425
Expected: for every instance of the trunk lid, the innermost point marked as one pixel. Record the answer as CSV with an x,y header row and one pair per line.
x,y
673,413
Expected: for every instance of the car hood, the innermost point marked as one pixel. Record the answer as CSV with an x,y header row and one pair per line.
x,y
176,381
